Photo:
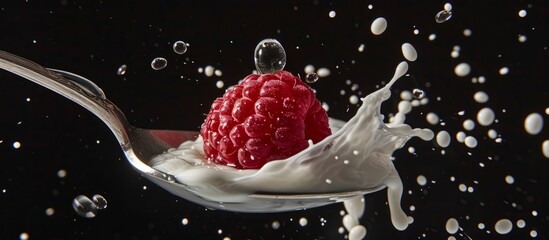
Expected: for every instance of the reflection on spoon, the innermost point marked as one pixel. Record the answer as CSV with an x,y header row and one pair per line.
x,y
355,160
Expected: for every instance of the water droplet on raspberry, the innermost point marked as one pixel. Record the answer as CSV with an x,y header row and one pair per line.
x,y
269,56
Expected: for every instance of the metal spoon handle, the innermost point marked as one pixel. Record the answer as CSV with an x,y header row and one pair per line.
x,y
78,89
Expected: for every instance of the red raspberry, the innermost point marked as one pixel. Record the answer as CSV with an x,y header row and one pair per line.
x,y
265,117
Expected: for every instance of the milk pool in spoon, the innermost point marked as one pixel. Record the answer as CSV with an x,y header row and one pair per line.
x,y
356,157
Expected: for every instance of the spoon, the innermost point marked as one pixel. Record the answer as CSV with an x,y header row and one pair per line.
x,y
141,145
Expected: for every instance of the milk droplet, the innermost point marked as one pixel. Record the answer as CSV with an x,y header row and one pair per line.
x,y
460,136
521,223
468,125
332,14
303,222
84,206
50,211
357,233
432,37
122,70
503,71
452,225
467,32
409,52
432,118
545,148
533,233
184,221
159,63
219,84
481,97
24,236
421,180
180,47
309,69
406,95
269,56
481,226
443,138
448,7
378,26
462,69
16,145
470,141
209,71
353,99
533,123
509,179
522,38
349,222
218,73
361,48
503,226
443,16
311,77
275,225
493,134
522,13
323,72
485,116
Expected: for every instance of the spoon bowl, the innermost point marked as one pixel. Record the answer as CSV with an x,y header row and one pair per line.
x,y
141,145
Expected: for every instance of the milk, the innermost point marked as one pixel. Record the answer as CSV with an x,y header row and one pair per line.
x,y
357,156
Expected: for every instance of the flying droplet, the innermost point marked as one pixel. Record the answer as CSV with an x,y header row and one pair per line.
x,y
378,26
122,70
84,206
311,77
159,63
180,47
418,93
443,16
99,201
269,56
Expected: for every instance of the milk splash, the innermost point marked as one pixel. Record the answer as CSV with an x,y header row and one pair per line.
x,y
356,157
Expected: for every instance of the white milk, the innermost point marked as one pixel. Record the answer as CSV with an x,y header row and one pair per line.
x,y
356,156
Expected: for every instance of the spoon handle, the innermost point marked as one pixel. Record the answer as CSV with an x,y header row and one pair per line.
x,y
78,89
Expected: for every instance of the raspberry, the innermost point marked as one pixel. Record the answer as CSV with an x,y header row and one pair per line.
x,y
265,117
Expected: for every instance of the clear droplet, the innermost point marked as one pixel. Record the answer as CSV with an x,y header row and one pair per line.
x,y
311,77
159,63
418,93
443,16
84,206
99,201
122,70
180,47
269,56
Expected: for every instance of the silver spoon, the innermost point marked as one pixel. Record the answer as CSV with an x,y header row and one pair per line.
x,y
141,145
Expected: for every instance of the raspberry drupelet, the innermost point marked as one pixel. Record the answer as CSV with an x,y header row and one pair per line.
x,y
265,117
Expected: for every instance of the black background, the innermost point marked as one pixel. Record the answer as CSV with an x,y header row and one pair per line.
x,y
94,38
